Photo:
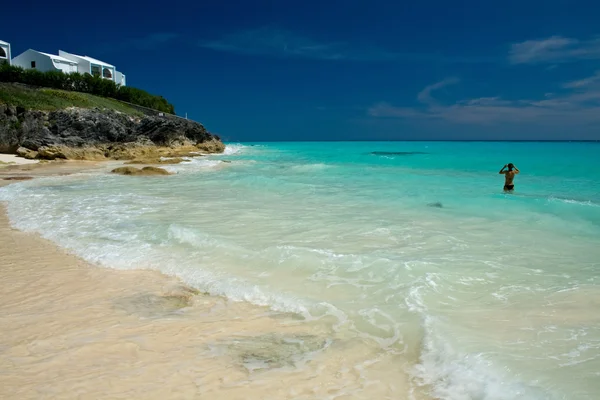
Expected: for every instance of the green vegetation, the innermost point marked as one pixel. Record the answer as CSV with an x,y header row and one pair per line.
x,y
84,84
52,99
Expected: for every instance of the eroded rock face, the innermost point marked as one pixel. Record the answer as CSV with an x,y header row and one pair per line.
x,y
94,134
142,171
26,153
9,129
211,146
71,153
137,151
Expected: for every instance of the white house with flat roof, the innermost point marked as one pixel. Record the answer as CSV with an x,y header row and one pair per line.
x,y
86,64
68,63
5,52
33,59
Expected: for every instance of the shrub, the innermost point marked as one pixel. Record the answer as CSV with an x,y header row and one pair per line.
x,y
84,83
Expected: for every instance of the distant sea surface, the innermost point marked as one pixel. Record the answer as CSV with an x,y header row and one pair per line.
x,y
410,246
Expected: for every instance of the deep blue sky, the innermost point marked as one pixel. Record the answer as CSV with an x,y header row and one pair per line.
x,y
343,69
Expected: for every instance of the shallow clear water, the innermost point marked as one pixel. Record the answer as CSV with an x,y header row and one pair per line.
x,y
415,248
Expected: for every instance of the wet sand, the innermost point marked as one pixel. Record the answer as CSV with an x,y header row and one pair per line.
x,y
69,330
24,171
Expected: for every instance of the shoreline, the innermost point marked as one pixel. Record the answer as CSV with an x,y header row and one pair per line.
x,y
71,329
36,169
13,159
67,323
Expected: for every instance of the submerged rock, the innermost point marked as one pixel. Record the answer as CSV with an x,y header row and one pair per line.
x,y
152,305
287,315
437,204
272,350
396,153
18,178
142,171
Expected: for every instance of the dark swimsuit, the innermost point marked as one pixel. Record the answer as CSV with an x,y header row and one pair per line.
x,y
509,187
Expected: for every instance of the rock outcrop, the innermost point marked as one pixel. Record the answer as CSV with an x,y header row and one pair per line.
x,y
26,153
143,171
99,134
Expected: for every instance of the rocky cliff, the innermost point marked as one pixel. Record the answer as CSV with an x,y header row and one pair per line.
x,y
96,134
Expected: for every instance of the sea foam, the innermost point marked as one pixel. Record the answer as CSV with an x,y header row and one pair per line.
x,y
333,233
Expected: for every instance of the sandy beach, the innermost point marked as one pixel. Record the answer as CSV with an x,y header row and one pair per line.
x,y
270,277
13,159
74,330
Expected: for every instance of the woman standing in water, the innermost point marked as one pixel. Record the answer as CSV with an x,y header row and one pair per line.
x,y
509,176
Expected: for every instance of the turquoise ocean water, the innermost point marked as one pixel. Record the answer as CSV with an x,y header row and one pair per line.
x,y
411,246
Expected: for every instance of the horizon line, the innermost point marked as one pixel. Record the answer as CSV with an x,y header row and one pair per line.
x,y
424,140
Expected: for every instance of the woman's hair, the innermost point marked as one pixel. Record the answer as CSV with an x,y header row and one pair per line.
x,y
510,166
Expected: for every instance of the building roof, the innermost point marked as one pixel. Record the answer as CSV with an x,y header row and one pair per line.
x,y
93,60
55,57
3,42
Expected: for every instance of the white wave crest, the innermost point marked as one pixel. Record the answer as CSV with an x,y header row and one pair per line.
x,y
234,148
195,164
588,203
309,167
454,375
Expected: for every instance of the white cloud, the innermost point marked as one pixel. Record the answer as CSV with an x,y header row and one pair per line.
x,y
583,82
579,105
424,95
555,49
485,101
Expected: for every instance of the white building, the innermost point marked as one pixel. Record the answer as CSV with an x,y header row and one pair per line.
x,y
5,52
67,63
120,78
95,67
33,59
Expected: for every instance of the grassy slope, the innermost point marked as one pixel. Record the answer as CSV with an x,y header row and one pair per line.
x,y
52,99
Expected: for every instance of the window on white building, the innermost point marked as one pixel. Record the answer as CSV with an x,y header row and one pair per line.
x,y
2,53
33,64
107,73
